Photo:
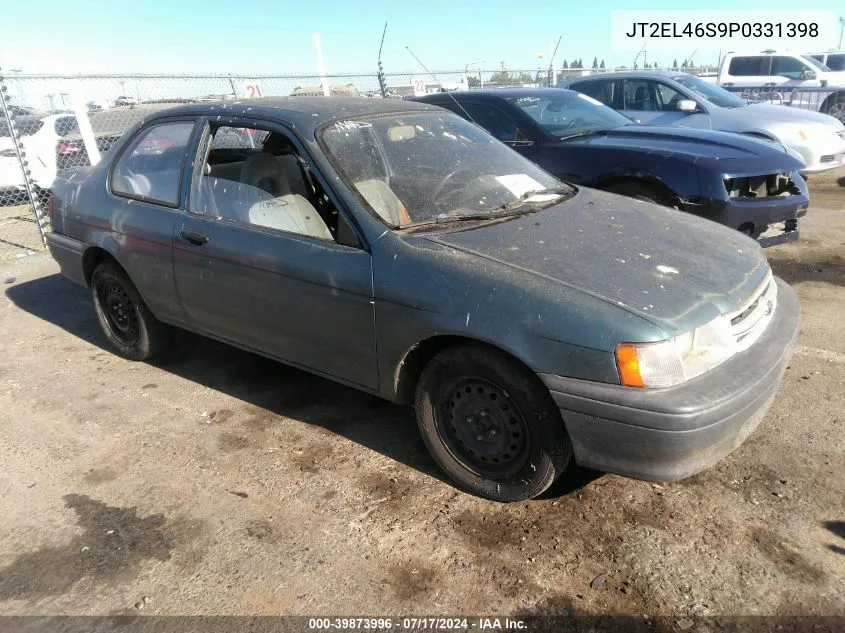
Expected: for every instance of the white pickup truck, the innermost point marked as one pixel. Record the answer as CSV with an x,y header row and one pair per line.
x,y
785,78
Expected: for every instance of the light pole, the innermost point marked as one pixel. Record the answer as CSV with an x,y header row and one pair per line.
x,y
480,80
841,29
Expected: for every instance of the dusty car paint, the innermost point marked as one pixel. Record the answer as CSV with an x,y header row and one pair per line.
x,y
557,289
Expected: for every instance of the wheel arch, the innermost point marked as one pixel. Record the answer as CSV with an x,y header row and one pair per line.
x,y
413,361
93,257
650,182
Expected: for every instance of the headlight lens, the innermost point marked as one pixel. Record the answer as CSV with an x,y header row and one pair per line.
x,y
676,360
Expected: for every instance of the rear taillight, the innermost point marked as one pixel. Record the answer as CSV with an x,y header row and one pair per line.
x,y
51,205
67,149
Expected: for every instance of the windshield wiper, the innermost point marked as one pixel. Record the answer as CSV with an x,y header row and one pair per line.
x,y
580,134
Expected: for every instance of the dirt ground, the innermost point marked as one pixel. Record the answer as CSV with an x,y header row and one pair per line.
x,y
218,482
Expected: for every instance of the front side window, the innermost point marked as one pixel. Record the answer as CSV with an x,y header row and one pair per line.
x,y
836,62
569,113
424,167
711,92
254,177
638,95
667,97
752,66
789,67
151,167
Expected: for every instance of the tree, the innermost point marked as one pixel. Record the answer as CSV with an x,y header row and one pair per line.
x,y
473,82
601,65
523,78
655,65
635,65
565,65
501,77
580,63
675,65
595,62
684,65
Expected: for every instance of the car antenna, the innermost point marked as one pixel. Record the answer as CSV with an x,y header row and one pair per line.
x,y
381,82
442,89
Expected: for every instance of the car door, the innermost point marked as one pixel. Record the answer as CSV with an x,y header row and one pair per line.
x,y
789,70
302,297
664,100
640,100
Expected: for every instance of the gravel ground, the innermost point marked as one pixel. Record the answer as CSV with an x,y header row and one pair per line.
x,y
218,482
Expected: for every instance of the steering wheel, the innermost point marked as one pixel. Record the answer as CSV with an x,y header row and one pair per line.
x,y
437,194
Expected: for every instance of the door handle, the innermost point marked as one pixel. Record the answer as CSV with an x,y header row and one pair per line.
x,y
198,239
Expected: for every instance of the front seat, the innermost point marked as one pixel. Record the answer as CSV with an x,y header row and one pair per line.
x,y
642,100
279,194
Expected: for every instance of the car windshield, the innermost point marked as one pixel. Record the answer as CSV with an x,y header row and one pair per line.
x,y
424,167
816,63
570,113
711,92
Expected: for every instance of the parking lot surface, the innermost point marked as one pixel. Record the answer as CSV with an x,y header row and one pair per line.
x,y
218,482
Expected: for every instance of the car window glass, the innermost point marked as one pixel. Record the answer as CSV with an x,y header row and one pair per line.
x,y
836,62
151,167
493,120
638,95
417,167
603,91
238,137
749,66
263,184
65,125
790,67
667,97
569,113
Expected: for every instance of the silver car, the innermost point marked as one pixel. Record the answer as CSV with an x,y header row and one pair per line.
x,y
680,99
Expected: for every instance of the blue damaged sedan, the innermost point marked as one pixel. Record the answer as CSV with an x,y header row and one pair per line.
x,y
399,249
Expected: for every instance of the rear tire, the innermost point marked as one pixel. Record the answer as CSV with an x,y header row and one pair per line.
x,y
127,322
490,424
640,191
836,107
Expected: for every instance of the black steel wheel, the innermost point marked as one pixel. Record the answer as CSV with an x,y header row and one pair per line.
x,y
126,320
491,424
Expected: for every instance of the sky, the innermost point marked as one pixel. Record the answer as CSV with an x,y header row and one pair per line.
x,y
264,36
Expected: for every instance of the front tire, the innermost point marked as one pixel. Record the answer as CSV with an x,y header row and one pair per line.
x,y
490,424
127,322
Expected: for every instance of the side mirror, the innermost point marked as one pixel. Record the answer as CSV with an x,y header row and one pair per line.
x,y
808,75
687,105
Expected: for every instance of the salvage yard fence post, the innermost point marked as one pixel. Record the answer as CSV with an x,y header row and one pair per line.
x,y
21,207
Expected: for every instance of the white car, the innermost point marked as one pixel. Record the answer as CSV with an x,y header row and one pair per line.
x,y
786,75
40,137
678,99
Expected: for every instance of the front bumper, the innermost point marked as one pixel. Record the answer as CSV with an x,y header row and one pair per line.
x,y
672,433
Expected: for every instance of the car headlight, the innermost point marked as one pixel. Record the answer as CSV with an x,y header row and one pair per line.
x,y
678,359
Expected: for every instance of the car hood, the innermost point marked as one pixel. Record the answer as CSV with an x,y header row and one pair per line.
x,y
764,115
696,144
673,269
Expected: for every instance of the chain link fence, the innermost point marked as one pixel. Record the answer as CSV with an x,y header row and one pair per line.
x,y
49,124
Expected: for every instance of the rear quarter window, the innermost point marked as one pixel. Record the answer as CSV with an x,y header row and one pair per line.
x,y
151,167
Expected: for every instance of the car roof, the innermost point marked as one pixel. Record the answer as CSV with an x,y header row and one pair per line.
x,y
304,113
495,93
636,74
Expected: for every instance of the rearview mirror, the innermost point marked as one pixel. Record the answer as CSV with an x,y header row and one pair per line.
x,y
687,105
808,75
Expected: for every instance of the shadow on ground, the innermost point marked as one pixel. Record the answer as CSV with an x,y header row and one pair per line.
x,y
823,267
275,388
837,528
